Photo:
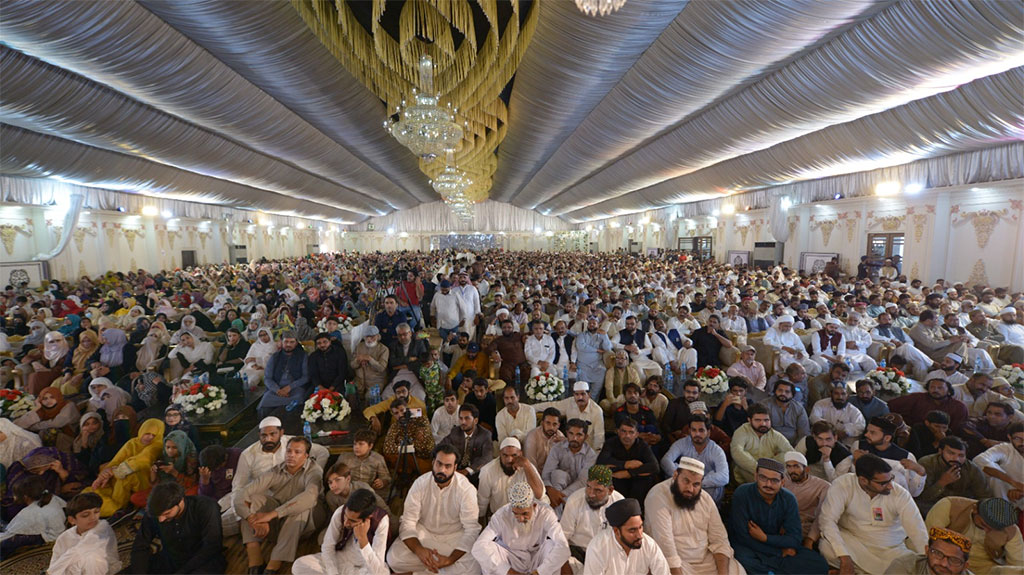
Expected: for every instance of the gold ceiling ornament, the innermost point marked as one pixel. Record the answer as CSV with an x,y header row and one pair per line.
x,y
469,75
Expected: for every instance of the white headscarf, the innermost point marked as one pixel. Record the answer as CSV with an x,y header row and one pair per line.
x,y
188,324
262,351
18,442
55,347
96,394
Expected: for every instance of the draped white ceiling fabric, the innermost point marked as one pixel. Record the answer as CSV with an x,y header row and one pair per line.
x,y
662,105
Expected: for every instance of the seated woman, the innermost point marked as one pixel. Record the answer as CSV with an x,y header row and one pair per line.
x,y
81,359
191,357
128,471
258,355
49,365
99,440
148,384
15,443
54,418
60,472
188,325
71,326
39,522
175,420
178,462
116,357
105,396
232,354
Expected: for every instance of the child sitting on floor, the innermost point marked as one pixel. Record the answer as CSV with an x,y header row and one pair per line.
x,y
89,547
40,522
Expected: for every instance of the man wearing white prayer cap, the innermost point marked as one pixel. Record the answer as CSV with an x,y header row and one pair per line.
x,y
1012,332
791,349
499,475
810,492
581,406
949,370
684,520
258,459
522,537
828,345
857,343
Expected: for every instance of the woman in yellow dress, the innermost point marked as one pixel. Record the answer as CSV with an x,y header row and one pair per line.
x,y
128,471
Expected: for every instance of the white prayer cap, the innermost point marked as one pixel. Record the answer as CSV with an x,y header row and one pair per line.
x,y
833,321
853,315
581,386
520,495
510,442
502,311
1009,310
955,357
698,406
795,456
270,422
690,464
785,319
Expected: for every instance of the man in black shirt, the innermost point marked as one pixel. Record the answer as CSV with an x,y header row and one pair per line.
x,y
635,470
328,365
178,534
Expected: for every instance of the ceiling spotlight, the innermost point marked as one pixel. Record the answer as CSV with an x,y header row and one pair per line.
x,y
913,188
887,188
716,213
391,231
838,196
121,209
728,209
150,210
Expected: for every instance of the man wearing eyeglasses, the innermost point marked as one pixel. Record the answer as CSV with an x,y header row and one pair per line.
x,y
946,554
866,519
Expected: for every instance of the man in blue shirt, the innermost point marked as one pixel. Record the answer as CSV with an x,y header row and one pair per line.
x,y
764,526
698,445
788,418
867,403
388,320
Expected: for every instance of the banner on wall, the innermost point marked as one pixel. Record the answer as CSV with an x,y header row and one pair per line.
x,y
463,242
739,258
20,273
814,262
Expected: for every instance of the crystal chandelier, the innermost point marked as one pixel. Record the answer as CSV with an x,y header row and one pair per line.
x,y
425,127
599,7
452,184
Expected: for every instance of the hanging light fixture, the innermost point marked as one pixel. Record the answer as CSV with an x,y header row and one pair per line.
x,y
426,127
599,7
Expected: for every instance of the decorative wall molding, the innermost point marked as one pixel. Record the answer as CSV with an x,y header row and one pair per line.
x,y
8,232
79,236
826,227
920,220
984,221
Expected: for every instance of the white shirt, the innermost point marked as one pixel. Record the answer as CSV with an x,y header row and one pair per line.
x,y
448,309
605,556
442,422
975,406
1004,457
470,300
449,513
685,536
778,340
87,547
849,418
354,559
538,350
494,484
522,549
1013,333
738,325
254,462
857,336
687,326
46,521
581,523
955,378
593,414
518,426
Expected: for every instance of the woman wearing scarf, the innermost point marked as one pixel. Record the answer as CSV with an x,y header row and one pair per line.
x,y
54,418
251,331
128,320
50,365
116,356
81,361
128,471
139,331
110,399
164,307
15,442
221,299
203,321
232,354
303,332
258,355
62,475
178,462
175,420
188,325
92,444
191,356
70,326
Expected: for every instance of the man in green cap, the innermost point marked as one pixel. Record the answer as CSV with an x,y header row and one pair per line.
x,y
584,517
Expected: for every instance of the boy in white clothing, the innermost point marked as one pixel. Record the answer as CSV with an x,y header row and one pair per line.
x,y
89,547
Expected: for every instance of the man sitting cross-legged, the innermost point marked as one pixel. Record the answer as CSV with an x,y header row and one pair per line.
x,y
522,537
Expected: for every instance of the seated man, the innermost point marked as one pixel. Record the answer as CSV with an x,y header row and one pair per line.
x,y
539,349
684,520
788,419
634,467
938,396
439,523
565,468
810,493
615,380
286,377
865,400
857,343
470,442
522,537
646,421
946,553
989,525
583,516
828,345
748,368
635,342
791,350
976,394
485,402
924,437
498,475
542,439
880,440
370,362
581,406
764,526
949,370
515,419
405,356
185,529
473,360
984,432
445,416
360,521
821,387
847,421
217,466
732,412
891,335
1004,463
866,519
700,447
653,397
625,548
824,453
951,473
379,414
755,440
328,365
280,500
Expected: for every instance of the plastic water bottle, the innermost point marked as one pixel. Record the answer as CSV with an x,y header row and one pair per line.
x,y
669,378
292,405
516,384
375,395
682,376
977,363
565,374
307,430
245,382
881,363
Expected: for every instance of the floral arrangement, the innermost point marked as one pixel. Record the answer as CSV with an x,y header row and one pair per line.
x,y
325,405
198,398
545,387
345,323
1013,373
14,403
889,379
712,379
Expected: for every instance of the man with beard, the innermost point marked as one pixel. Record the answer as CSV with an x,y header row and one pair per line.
x,y
328,365
565,470
788,419
515,419
822,450
1005,464
615,381
753,441
748,368
947,553
893,336
949,370
581,406
991,527
497,476
653,397
810,493
258,459
539,348
821,386
542,439
937,397
791,350
732,412
865,400
634,341
625,548
879,441
988,431
522,537
405,356
647,422
988,334
764,526
563,347
866,519
286,376
589,348
684,521
935,343
584,514
951,473
699,447
678,411
976,355
471,442
976,394
828,345
633,464
508,350
439,522
857,343
846,419
1012,332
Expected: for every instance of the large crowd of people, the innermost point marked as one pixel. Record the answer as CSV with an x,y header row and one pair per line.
x,y
801,465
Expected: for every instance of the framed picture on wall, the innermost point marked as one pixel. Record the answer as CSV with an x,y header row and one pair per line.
x,y
738,258
814,262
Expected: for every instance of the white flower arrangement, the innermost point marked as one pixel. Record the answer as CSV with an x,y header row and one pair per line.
x,y
200,398
545,387
1013,373
14,403
889,379
325,405
712,379
344,323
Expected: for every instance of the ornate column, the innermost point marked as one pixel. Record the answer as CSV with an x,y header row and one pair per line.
x,y
938,264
